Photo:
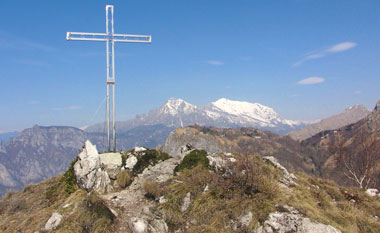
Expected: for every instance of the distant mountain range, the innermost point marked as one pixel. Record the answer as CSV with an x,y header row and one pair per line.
x,y
4,137
350,153
349,116
41,152
223,113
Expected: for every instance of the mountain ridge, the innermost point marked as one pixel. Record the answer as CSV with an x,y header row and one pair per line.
x,y
348,116
222,113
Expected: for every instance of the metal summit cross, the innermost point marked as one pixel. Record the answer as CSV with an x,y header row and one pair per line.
x,y
110,38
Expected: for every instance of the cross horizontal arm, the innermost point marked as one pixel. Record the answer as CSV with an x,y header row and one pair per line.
x,y
105,37
86,36
132,38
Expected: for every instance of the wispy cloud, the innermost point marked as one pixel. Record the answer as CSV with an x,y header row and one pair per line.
x,y
33,102
357,92
33,62
215,62
311,80
341,47
73,107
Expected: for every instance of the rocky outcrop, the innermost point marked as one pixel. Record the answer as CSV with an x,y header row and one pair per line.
x,y
88,170
244,141
288,179
288,219
53,222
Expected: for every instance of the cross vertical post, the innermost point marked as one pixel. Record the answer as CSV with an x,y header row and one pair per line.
x,y
110,38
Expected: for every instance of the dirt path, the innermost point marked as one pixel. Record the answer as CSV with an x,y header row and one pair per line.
x,y
131,205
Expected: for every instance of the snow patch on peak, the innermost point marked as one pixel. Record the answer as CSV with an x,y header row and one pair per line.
x,y
242,108
174,106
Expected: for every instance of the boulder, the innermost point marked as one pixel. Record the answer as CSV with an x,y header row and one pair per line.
x,y
53,222
111,162
288,219
139,225
130,162
372,192
88,170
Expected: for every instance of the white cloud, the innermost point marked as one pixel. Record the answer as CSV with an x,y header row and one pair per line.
x,y
311,80
215,62
357,92
73,107
341,47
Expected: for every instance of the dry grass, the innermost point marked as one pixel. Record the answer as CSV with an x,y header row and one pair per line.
x,y
29,210
231,193
234,193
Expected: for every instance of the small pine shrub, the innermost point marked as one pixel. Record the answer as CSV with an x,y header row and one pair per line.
x,y
149,157
193,159
69,179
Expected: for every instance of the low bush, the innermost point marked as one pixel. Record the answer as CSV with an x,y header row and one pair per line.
x,y
124,179
193,159
149,157
69,178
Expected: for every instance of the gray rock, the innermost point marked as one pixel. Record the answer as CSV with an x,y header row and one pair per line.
x,y
186,202
288,179
178,145
53,222
246,219
139,225
292,221
219,161
111,162
160,172
88,170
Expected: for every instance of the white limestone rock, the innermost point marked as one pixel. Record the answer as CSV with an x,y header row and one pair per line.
x,y
372,192
111,162
292,221
139,149
88,170
288,179
53,222
139,225
219,161
186,202
130,162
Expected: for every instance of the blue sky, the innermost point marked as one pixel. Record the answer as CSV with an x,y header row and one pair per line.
x,y
306,59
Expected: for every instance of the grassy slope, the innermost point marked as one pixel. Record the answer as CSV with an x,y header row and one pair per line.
x,y
30,209
347,209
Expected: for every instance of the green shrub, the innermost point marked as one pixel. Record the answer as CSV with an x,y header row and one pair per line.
x,y
191,160
149,157
69,179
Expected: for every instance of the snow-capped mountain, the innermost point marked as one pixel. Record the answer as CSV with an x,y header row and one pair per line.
x,y
224,113
246,114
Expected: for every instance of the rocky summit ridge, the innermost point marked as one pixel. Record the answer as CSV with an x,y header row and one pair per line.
x,y
144,190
